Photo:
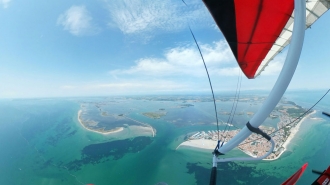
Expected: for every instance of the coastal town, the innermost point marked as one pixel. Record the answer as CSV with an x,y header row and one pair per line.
x,y
255,145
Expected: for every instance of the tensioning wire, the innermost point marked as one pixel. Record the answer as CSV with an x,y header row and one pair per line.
x,y
207,72
235,103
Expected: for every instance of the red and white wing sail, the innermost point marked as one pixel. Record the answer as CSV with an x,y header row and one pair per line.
x,y
257,30
314,10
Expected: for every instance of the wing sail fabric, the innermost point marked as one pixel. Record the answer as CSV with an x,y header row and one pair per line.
x,y
314,10
257,30
295,177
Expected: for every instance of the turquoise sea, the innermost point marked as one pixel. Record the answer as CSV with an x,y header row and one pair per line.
x,y
42,142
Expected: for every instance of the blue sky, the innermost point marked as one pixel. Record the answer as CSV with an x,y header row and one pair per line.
x,y
128,47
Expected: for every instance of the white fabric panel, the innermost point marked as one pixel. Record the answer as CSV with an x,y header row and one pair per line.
x,y
314,10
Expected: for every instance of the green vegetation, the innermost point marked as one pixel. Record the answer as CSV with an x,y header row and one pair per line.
x,y
155,115
104,114
296,111
186,105
286,131
289,102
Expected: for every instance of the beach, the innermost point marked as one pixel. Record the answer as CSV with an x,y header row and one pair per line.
x,y
294,131
200,143
119,129
144,130
210,144
147,126
40,132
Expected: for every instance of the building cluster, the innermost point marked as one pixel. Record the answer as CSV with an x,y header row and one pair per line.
x,y
254,145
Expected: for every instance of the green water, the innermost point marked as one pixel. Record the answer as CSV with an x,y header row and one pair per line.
x,y
42,142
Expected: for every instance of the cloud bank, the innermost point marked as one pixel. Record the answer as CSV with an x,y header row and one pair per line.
x,y
180,69
185,61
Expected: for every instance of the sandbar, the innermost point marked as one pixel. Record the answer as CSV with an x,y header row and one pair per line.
x,y
146,125
118,129
145,128
200,143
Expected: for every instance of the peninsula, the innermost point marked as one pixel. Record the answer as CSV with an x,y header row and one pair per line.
x,y
254,145
109,117
92,126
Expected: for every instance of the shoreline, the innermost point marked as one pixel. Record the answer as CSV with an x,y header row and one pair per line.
x,y
207,144
100,132
199,143
118,129
147,125
294,131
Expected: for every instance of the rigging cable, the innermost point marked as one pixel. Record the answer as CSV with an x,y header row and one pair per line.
x,y
237,99
215,106
184,2
232,107
233,110
298,118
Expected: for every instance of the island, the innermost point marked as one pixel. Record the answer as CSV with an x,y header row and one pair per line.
x,y
109,117
185,105
155,115
92,125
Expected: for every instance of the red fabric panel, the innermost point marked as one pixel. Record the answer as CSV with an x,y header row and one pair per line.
x,y
295,177
258,24
325,177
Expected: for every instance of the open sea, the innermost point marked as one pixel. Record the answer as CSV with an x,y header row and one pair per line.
x,y
42,143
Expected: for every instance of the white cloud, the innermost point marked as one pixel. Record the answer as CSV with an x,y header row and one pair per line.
x,y
179,69
5,3
136,16
273,68
78,21
183,67
228,71
182,61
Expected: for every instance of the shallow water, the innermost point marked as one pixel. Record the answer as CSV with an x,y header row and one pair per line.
x,y
43,143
